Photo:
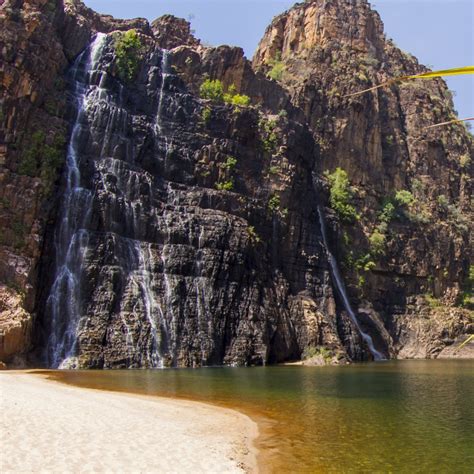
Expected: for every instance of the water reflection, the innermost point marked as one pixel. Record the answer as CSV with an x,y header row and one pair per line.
x,y
411,416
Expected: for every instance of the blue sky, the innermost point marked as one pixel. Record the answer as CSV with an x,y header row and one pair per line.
x,y
414,25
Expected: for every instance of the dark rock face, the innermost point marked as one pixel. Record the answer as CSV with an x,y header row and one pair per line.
x,y
166,269
184,232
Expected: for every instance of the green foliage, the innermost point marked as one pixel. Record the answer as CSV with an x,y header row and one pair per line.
x,y
42,160
377,243
274,170
388,212
274,206
341,195
30,159
230,163
457,218
467,296
253,236
240,100
128,48
225,185
404,198
53,158
317,351
268,135
277,68
274,203
443,201
206,115
231,97
364,263
214,90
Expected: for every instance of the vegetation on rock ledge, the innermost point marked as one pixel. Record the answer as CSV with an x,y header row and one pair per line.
x,y
42,159
341,194
128,47
214,90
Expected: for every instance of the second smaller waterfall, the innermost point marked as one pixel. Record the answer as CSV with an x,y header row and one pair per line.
x,y
342,291
165,73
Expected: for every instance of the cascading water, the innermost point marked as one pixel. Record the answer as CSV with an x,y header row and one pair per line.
x,y
71,238
165,73
342,291
111,186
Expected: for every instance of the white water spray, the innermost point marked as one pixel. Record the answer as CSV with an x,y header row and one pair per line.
x,y
342,291
165,73
71,238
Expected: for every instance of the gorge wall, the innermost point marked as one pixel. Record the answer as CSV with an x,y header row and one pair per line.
x,y
144,226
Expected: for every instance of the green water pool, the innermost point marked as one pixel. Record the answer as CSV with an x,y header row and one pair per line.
x,y
397,416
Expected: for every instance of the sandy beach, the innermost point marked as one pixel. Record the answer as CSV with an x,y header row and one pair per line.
x,y
50,427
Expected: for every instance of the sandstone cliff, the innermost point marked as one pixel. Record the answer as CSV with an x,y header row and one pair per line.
x,y
196,238
405,264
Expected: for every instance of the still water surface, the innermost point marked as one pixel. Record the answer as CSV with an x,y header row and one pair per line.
x,y
401,417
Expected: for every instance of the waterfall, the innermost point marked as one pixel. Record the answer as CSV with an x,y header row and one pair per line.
x,y
165,73
71,237
342,291
142,278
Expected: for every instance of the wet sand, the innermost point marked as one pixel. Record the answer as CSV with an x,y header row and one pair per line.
x,y
46,426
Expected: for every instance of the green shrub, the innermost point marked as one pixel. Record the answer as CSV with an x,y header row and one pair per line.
x,y
240,100
274,203
361,263
457,218
317,351
404,198
225,185
268,135
341,195
128,48
231,97
467,296
377,243
42,159
30,158
253,236
274,170
443,201
388,212
206,115
277,68
230,163
53,158
212,90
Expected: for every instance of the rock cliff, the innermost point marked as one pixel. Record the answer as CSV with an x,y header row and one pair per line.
x,y
143,225
407,249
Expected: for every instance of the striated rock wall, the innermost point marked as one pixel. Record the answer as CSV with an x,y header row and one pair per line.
x,y
176,269
185,232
